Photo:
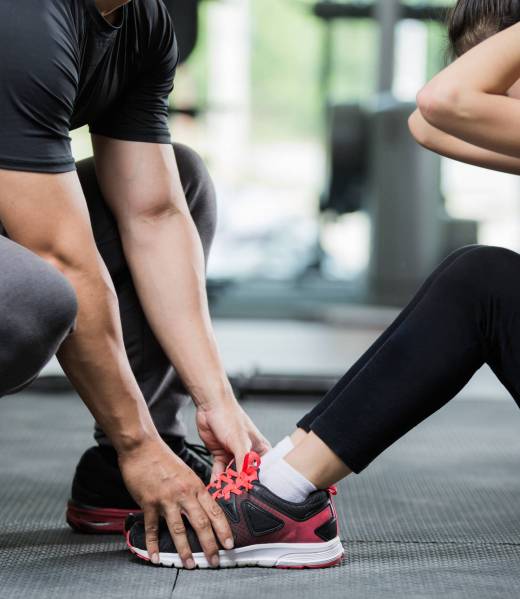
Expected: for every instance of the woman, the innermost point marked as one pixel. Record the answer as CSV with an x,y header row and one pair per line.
x,y
466,314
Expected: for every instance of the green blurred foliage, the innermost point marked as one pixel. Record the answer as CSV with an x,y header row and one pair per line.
x,y
285,70
288,46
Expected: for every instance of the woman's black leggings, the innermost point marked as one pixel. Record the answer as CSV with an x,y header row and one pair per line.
x,y
466,314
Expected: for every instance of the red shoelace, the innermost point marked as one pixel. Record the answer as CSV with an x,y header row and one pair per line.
x,y
227,477
231,481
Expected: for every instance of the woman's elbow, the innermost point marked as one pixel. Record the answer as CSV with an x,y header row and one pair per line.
x,y
440,105
418,129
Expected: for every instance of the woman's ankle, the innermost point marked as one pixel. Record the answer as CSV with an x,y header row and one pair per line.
x,y
313,459
298,436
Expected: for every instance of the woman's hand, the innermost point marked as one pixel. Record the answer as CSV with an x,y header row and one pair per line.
x,y
163,485
228,433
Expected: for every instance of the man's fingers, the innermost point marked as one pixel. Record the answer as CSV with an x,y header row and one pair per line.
x,y
201,524
151,528
240,452
178,532
260,444
219,466
241,446
218,519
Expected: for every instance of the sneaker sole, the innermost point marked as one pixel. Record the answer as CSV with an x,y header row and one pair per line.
x,y
272,555
94,520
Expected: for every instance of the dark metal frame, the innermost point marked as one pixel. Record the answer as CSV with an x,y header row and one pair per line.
x,y
329,10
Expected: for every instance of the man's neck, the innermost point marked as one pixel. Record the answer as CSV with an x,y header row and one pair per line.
x,y
108,8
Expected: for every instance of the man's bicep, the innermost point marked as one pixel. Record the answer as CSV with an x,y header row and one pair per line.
x,y
142,115
46,213
138,178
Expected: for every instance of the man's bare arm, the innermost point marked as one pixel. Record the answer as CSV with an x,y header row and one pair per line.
x,y
141,183
48,215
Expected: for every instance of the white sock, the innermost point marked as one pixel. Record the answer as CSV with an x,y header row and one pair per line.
x,y
286,482
280,450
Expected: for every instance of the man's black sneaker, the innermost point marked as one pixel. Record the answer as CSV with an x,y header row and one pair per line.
x,y
267,530
100,502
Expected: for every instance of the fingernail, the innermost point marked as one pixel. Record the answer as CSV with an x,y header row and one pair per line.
x,y
155,559
190,564
228,544
215,562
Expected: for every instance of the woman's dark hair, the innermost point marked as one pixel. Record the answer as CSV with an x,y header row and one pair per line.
x,y
472,21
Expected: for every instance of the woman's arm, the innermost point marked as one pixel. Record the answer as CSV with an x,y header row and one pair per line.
x,y
451,147
469,99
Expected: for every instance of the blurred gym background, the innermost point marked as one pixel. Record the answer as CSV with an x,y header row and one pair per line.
x,y
330,215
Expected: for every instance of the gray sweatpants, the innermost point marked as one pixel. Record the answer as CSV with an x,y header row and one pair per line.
x,y
48,307
37,311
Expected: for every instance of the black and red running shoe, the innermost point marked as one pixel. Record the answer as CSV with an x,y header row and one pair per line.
x,y
268,531
100,502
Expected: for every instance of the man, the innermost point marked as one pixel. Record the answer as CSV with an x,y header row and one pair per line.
x,y
110,64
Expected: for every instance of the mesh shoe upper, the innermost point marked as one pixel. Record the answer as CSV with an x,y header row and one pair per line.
x,y
258,516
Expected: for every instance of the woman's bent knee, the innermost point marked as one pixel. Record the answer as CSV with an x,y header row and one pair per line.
x,y
483,270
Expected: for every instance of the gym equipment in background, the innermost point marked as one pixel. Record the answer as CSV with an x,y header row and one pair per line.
x,y
185,15
246,385
375,165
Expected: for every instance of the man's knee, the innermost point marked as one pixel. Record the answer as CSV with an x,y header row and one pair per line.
x,y
193,171
61,306
199,191
38,312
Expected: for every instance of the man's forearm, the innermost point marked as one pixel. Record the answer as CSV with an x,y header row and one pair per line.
x,y
95,361
167,263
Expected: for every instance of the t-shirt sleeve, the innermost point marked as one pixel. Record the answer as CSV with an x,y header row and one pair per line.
x,y
38,87
141,114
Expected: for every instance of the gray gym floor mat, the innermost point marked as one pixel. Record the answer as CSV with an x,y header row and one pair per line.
x,y
436,515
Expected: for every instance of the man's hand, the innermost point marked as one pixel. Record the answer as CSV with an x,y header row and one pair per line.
x,y
228,433
163,485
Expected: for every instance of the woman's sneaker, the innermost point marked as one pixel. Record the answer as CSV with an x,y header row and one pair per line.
x,y
100,502
268,531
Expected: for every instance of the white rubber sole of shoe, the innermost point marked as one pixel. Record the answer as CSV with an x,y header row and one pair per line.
x,y
273,555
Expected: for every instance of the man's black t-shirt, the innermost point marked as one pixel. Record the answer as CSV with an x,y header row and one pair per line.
x,y
62,65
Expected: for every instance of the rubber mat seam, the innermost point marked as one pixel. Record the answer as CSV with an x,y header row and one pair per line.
x,y
450,543
177,572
